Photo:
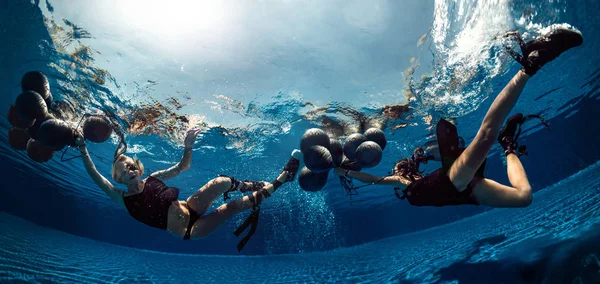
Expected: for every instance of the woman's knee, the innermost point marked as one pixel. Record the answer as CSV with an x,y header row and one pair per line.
x,y
232,206
224,182
525,198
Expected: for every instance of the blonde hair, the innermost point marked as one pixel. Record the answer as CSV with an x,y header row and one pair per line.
x,y
121,158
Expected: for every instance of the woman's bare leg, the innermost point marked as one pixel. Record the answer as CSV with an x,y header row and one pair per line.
x,y
516,173
208,223
202,199
211,221
490,193
463,170
536,54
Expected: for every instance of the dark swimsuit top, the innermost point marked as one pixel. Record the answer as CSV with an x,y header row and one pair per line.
x,y
151,206
436,189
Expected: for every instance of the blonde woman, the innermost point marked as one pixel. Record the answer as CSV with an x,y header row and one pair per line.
x,y
155,204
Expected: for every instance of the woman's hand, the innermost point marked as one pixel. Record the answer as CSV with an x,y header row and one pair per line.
x,y
190,137
339,171
79,141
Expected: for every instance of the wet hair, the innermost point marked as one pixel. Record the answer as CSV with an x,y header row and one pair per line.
x,y
120,151
409,167
120,158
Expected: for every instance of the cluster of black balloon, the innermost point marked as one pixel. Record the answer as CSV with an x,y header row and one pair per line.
x,y
322,153
39,132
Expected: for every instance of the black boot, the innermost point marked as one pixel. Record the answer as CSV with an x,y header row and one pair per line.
x,y
291,168
507,135
293,165
243,186
538,52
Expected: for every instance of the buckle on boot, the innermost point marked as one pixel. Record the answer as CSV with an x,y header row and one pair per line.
x,y
522,151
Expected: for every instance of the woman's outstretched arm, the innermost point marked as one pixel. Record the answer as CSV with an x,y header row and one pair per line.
x,y
186,160
368,178
101,181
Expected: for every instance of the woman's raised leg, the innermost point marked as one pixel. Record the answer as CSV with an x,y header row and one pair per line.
x,y
536,54
463,170
209,222
202,199
490,193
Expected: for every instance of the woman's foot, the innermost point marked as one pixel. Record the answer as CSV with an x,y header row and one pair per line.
x,y
287,174
512,130
538,52
507,134
292,166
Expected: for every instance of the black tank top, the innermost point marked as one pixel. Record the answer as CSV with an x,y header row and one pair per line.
x,y
151,206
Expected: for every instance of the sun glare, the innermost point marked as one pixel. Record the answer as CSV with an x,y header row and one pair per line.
x,y
173,17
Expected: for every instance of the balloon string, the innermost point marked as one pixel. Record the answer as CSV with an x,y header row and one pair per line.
x,y
121,147
68,147
71,158
348,186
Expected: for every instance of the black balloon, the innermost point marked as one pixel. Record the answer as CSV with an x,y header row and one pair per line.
x,y
336,150
38,151
376,135
18,138
318,159
312,137
31,105
368,154
352,142
97,129
311,181
36,81
48,100
16,120
56,134
33,130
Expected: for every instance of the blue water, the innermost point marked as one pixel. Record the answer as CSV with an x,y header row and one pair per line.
x,y
255,82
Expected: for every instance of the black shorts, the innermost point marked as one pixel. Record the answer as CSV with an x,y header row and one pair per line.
x,y
194,216
436,189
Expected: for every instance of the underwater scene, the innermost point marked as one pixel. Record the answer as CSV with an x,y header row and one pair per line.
x,y
300,141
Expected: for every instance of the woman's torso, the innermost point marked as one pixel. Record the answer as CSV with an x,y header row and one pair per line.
x,y
157,205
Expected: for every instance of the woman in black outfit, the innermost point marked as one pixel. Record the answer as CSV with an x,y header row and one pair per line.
x,y
155,204
460,180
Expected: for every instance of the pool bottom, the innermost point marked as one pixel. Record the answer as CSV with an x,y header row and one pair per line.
x,y
552,240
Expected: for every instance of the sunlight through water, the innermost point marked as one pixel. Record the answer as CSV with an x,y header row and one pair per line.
x,y
175,18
